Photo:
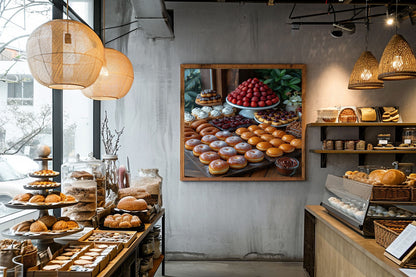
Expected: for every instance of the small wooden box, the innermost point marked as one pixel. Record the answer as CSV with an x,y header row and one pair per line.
x,y
85,238
391,193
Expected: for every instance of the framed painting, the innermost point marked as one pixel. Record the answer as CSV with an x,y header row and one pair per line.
x,y
242,122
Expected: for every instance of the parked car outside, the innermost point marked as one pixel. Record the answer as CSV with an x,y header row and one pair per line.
x,y
13,176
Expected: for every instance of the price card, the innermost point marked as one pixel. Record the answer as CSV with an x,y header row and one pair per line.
x,y
404,246
383,141
407,141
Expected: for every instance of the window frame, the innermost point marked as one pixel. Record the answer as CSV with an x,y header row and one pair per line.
x,y
58,10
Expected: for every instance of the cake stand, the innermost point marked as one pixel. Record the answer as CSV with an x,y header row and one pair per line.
x,y
249,111
43,239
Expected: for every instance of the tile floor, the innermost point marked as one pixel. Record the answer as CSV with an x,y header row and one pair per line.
x,y
232,269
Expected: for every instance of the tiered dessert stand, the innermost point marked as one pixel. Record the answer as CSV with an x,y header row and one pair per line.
x,y
43,239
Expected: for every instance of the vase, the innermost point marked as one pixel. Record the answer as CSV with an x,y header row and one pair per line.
x,y
111,174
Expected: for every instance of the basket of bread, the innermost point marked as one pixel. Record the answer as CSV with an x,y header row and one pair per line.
x,y
388,185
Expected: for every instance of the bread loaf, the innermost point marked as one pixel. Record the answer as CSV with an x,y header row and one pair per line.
x,y
368,114
130,203
393,177
136,192
376,176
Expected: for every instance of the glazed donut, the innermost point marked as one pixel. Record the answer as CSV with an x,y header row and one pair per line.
x,y
232,141
188,129
253,128
264,125
196,123
276,142
227,152
237,162
222,135
278,133
209,131
207,139
288,138
202,126
247,135
191,143
254,140
274,152
241,130
259,132
297,143
201,148
287,148
263,146
253,156
242,147
218,167
267,137
217,145
191,135
208,157
270,129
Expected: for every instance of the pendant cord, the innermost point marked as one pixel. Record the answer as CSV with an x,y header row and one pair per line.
x,y
397,23
103,27
367,25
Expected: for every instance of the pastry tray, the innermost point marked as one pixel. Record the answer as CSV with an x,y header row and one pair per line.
x,y
42,187
145,216
126,244
41,235
231,172
277,126
44,176
141,228
38,206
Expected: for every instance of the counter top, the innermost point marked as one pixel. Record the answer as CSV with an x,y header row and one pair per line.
x,y
367,246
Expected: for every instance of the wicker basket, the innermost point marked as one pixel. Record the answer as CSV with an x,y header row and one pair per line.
x,y
391,193
386,231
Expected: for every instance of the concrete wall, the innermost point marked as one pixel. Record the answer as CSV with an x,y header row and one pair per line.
x,y
245,220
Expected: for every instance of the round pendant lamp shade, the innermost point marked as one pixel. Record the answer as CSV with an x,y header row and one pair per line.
x,y
398,61
365,73
65,54
115,80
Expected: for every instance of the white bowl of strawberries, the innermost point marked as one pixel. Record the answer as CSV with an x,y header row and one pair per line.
x,y
253,94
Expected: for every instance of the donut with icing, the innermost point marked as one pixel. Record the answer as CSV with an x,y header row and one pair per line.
x,y
218,167
234,140
199,149
237,162
227,152
254,156
208,157
207,139
191,143
222,135
242,147
217,145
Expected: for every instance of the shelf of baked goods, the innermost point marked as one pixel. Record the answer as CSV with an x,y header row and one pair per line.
x,y
359,124
318,151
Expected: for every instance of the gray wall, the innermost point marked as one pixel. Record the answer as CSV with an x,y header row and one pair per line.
x,y
245,220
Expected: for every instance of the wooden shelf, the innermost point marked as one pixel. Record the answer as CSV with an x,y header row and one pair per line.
x,y
360,124
363,151
156,264
393,203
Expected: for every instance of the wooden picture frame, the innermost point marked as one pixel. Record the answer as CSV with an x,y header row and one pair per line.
x,y
285,80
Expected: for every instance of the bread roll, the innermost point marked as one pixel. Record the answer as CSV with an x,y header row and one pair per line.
x,y
393,177
38,226
60,225
48,220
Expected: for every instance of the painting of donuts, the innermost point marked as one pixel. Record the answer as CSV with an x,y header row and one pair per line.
x,y
242,122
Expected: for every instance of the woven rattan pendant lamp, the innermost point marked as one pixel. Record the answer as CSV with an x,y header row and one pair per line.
x,y
115,79
398,61
365,72
64,54
116,76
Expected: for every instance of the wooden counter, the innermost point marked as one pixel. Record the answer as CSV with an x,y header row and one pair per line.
x,y
333,249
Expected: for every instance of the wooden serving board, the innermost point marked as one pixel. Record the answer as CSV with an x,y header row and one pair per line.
x,y
232,172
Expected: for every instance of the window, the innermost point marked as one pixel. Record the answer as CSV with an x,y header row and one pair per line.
x,y
20,92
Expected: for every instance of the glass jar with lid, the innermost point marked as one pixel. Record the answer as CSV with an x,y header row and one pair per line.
x,y
409,135
84,180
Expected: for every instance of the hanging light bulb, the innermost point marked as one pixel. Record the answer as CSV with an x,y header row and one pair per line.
x,y
115,80
398,61
64,54
365,73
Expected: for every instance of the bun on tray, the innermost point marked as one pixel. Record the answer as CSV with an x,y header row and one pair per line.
x,y
390,177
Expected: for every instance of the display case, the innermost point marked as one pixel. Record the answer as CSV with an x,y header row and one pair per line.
x,y
349,201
